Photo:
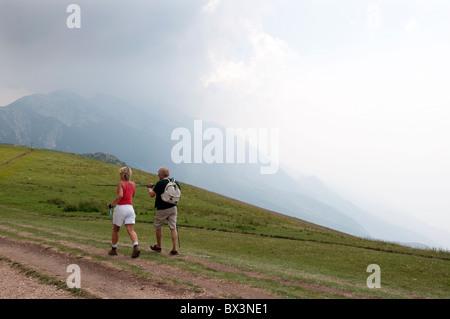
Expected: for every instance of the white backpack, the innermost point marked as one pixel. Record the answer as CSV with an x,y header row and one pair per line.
x,y
171,193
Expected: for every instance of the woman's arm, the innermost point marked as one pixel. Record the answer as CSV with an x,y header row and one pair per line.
x,y
119,194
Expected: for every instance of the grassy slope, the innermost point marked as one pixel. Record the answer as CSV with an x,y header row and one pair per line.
x,y
56,194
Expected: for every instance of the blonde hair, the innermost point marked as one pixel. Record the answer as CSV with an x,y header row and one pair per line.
x,y
126,172
164,171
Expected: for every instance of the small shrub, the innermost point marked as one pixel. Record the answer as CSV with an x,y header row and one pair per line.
x,y
89,206
86,206
56,201
70,207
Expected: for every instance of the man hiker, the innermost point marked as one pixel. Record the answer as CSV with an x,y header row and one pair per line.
x,y
164,211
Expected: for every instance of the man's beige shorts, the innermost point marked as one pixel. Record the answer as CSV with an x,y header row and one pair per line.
x,y
170,214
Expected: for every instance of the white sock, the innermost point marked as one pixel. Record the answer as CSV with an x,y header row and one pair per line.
x,y
114,246
135,243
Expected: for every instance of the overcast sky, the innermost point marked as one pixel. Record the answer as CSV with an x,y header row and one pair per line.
x,y
359,90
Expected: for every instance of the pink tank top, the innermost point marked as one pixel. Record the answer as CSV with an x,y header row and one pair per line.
x,y
128,192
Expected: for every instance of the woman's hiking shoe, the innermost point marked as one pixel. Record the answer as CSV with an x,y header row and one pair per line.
x,y
112,252
136,252
174,252
157,249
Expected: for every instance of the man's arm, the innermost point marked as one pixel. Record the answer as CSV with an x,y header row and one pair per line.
x,y
151,192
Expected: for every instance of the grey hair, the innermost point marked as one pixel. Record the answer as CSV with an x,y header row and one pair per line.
x,y
164,171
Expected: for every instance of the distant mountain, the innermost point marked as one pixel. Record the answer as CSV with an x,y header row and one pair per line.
x,y
108,158
68,122
376,226
141,136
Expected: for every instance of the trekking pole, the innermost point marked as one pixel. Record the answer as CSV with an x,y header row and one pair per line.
x,y
178,234
137,185
110,214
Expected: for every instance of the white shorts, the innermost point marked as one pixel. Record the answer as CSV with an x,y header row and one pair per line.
x,y
123,215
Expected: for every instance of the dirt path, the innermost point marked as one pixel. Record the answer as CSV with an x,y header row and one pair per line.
x,y
165,281
16,285
105,280
12,160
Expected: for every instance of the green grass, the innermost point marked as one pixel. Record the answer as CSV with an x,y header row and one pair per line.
x,y
51,197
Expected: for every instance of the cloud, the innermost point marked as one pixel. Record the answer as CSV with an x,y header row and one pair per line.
x,y
373,19
258,79
127,48
255,79
211,6
412,25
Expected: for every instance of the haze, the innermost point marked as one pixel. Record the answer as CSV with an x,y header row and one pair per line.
x,y
358,89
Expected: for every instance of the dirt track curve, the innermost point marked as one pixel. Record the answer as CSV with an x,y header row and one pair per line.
x,y
102,279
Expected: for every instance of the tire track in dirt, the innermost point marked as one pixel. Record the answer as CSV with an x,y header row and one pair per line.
x,y
215,287
15,284
194,286
97,278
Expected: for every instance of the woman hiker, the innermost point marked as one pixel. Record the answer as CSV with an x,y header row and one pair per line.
x,y
124,212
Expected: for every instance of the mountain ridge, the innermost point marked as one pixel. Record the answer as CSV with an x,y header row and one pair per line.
x,y
113,126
